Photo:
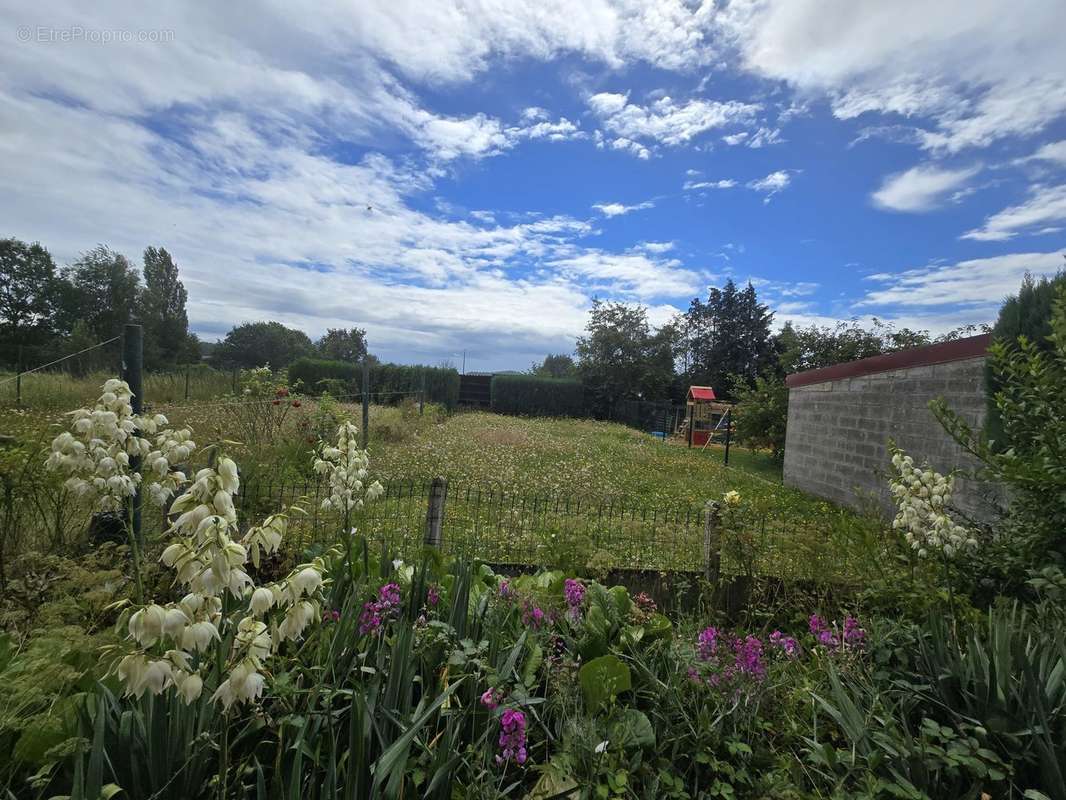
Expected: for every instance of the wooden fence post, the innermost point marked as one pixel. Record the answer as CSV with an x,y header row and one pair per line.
x,y
438,491
712,541
187,370
422,393
133,374
366,401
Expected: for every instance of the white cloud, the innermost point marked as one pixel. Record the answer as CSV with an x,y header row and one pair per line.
x,y
1045,207
978,73
920,188
629,146
724,183
656,247
980,283
665,121
773,183
1054,152
618,209
640,275
760,138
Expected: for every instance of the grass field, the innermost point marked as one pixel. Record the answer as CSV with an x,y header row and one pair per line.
x,y
526,490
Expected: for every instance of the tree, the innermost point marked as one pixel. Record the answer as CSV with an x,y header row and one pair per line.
x,y
101,289
761,414
727,335
620,358
254,344
28,287
555,366
343,344
166,323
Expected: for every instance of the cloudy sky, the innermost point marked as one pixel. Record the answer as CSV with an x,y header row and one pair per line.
x,y
469,175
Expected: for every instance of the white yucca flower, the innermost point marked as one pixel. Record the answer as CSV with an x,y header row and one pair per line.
x,y
922,497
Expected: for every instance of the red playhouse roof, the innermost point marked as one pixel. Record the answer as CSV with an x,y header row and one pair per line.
x,y
701,393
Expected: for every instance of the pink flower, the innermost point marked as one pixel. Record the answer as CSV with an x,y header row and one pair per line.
x,y
707,644
574,592
488,699
786,644
512,737
377,612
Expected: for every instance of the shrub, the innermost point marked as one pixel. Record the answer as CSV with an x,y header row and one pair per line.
x,y
761,414
537,397
1026,314
389,383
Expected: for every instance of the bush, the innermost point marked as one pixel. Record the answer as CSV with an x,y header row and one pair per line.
x,y
389,383
537,397
761,414
312,372
1026,314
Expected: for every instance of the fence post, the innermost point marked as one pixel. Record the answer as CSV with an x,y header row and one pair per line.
x,y
187,370
728,431
438,491
133,374
690,410
366,402
18,380
422,393
712,541
234,380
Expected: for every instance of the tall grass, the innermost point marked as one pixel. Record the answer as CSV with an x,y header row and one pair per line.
x,y
63,390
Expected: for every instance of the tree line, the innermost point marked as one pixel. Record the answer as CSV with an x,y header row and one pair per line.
x,y
48,311
725,341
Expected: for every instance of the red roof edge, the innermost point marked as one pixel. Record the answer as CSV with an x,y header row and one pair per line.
x,y
941,353
702,393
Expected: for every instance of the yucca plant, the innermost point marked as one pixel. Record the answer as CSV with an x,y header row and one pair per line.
x,y
1009,675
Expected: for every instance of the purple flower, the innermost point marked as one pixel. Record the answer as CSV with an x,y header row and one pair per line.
x,y
707,643
748,657
786,644
433,595
505,590
512,737
574,591
853,634
828,635
489,699
377,612
533,616
694,675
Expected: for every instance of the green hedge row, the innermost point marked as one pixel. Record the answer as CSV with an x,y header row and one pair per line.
x,y
538,397
389,383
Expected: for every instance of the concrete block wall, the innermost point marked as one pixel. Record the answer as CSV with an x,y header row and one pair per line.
x,y
839,428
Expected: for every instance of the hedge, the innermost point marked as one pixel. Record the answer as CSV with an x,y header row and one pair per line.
x,y
389,383
538,397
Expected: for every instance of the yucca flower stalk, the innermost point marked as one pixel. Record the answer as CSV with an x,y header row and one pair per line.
x,y
346,466
98,453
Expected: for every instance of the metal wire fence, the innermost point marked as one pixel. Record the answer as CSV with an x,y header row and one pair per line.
x,y
504,526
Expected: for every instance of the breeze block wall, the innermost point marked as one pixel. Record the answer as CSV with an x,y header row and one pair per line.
x,y
841,418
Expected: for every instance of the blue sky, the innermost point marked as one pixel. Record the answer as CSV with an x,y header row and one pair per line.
x,y
470,175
